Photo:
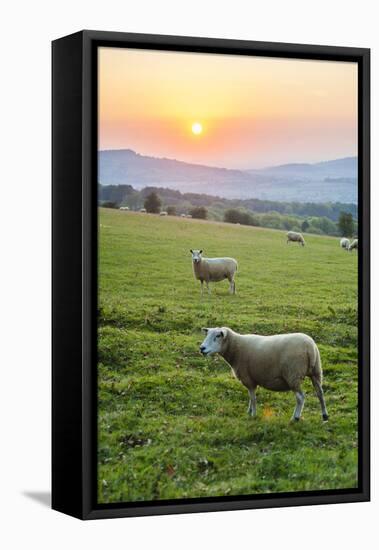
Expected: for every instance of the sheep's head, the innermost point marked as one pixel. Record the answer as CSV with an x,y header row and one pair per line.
x,y
196,255
214,341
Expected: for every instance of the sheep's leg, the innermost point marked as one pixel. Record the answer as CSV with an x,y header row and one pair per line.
x,y
202,289
209,290
300,398
232,284
320,394
252,408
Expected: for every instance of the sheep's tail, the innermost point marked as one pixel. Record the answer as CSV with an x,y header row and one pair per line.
x,y
315,364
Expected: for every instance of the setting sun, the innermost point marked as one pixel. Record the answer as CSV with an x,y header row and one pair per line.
x,y
197,128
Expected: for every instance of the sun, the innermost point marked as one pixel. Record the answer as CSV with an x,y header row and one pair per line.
x,y
197,128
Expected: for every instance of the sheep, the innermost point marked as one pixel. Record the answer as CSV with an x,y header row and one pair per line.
x,y
295,237
345,243
188,216
183,215
353,245
124,208
277,363
143,210
163,213
214,270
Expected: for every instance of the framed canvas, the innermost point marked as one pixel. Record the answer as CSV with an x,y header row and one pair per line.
x,y
210,254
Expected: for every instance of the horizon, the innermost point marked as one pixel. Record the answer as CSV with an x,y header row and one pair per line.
x,y
265,167
239,112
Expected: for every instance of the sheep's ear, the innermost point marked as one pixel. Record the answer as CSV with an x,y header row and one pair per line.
x,y
205,330
223,333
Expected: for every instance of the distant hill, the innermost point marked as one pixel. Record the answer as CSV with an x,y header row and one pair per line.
x,y
340,168
334,181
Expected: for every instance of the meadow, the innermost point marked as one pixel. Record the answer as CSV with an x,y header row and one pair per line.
x,y
173,424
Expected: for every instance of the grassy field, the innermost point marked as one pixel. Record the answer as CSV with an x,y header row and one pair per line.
x,y
173,424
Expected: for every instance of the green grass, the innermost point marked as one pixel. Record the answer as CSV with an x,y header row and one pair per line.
x,y
173,424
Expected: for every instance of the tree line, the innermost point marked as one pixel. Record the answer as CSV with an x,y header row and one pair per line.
x,y
317,218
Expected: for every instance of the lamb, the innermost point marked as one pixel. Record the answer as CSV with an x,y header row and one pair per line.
x,y
277,363
213,270
124,208
295,237
353,245
345,243
143,210
163,213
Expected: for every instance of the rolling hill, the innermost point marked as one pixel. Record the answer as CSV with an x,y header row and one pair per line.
x,y
172,423
334,181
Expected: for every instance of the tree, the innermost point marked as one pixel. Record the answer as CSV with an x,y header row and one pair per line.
x,y
232,215
153,203
199,212
114,193
346,224
109,204
134,200
315,230
305,226
171,210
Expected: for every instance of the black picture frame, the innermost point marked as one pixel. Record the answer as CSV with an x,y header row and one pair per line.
x,y
74,271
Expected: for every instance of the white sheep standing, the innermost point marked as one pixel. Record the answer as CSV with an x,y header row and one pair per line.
x,y
353,245
163,213
277,363
345,243
213,270
143,210
295,237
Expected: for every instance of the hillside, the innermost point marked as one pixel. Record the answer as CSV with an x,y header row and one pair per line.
x,y
346,168
173,424
300,182
319,217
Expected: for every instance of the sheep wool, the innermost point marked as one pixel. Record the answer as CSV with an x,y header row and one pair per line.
x,y
213,270
292,236
278,363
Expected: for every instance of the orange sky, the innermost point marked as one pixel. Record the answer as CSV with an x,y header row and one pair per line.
x,y
255,111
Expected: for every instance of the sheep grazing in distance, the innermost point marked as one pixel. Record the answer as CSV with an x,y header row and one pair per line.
x,y
163,213
353,245
292,236
345,243
124,208
143,210
188,216
277,363
183,215
213,270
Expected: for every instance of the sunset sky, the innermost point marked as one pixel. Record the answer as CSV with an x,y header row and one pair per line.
x,y
230,111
